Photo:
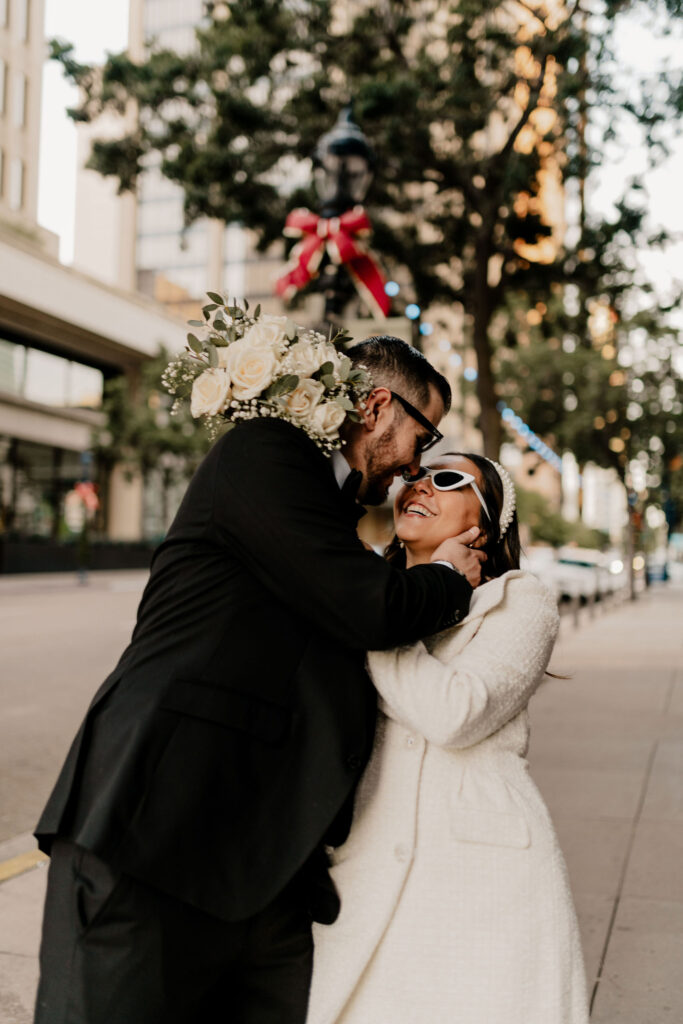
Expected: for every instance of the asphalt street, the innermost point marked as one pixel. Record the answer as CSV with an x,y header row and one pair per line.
x,y
59,639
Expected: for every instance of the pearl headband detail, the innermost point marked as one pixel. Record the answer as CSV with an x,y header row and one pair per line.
x,y
509,497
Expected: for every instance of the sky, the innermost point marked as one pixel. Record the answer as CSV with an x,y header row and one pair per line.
x,y
93,35
73,20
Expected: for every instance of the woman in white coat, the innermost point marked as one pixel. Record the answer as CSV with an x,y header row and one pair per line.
x,y
455,904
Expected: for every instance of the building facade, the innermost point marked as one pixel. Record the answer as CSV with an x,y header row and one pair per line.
x,y
62,335
22,51
154,251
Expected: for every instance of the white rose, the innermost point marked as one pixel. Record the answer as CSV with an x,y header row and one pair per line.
x,y
306,395
268,332
303,358
210,393
327,419
251,369
327,353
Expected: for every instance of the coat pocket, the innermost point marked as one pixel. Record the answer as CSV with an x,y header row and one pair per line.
x,y
231,709
487,808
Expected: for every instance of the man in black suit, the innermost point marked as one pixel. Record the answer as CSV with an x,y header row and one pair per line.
x,y
187,826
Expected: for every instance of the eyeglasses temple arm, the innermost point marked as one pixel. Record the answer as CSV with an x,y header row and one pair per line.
x,y
481,500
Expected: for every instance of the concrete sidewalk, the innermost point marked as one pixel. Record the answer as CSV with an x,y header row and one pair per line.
x,y
607,752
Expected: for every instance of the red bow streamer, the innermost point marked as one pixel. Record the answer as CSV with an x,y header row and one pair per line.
x,y
336,235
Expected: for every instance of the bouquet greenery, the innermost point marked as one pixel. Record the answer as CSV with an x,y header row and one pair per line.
x,y
243,366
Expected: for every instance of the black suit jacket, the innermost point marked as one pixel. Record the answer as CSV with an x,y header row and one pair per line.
x,y
219,751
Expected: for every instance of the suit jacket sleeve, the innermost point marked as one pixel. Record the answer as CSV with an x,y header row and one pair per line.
x,y
460,703
282,513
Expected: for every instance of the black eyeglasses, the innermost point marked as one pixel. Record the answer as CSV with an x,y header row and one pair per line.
x,y
436,435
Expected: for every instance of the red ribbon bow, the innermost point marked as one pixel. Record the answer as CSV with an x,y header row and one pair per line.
x,y
337,235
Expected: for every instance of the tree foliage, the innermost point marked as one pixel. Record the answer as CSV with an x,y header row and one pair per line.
x,y
141,435
474,109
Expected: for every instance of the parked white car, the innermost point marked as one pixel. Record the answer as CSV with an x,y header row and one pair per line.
x,y
573,573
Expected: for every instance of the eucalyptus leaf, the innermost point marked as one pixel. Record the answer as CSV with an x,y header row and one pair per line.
x,y
219,325
246,305
232,333
282,386
196,323
345,367
328,380
215,297
325,369
206,310
194,343
218,340
257,312
213,355
344,402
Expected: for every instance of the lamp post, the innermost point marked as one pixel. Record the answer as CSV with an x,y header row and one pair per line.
x,y
343,167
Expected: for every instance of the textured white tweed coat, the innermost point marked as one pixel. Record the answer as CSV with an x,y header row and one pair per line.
x,y
455,903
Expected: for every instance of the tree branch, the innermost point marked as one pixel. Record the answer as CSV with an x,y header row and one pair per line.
x,y
526,113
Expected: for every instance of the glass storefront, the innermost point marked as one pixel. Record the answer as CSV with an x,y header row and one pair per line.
x,y
34,481
34,477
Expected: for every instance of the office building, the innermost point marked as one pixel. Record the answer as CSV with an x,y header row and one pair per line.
x,y
62,334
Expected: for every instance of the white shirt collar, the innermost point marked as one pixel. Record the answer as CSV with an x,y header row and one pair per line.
x,y
340,468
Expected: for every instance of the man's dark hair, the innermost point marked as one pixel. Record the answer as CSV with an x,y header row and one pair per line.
x,y
394,364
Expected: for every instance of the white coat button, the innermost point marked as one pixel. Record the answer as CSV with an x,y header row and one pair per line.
x,y
410,741
401,852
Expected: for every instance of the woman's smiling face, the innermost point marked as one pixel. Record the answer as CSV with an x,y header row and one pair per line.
x,y
425,517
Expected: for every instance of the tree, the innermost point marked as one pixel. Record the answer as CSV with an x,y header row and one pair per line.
x,y
599,373
141,434
548,527
476,110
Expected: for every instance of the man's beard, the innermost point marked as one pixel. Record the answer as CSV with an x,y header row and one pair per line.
x,y
380,463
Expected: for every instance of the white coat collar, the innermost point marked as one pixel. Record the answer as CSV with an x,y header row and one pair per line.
x,y
488,595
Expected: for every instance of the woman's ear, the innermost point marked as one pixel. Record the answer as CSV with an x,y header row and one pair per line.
x,y
481,540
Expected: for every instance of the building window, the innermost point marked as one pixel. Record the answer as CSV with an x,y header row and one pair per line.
x,y
19,99
16,183
23,19
3,85
49,379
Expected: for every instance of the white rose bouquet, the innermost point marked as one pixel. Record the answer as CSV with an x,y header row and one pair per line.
x,y
245,366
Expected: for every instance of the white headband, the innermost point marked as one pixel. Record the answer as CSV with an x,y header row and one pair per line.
x,y
509,498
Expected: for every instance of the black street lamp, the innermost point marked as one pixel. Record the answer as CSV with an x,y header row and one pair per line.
x,y
343,168
344,164
332,246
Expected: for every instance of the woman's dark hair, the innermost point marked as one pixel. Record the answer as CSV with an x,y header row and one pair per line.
x,y
502,554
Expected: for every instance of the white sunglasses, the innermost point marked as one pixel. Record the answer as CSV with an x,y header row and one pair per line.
x,y
447,480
